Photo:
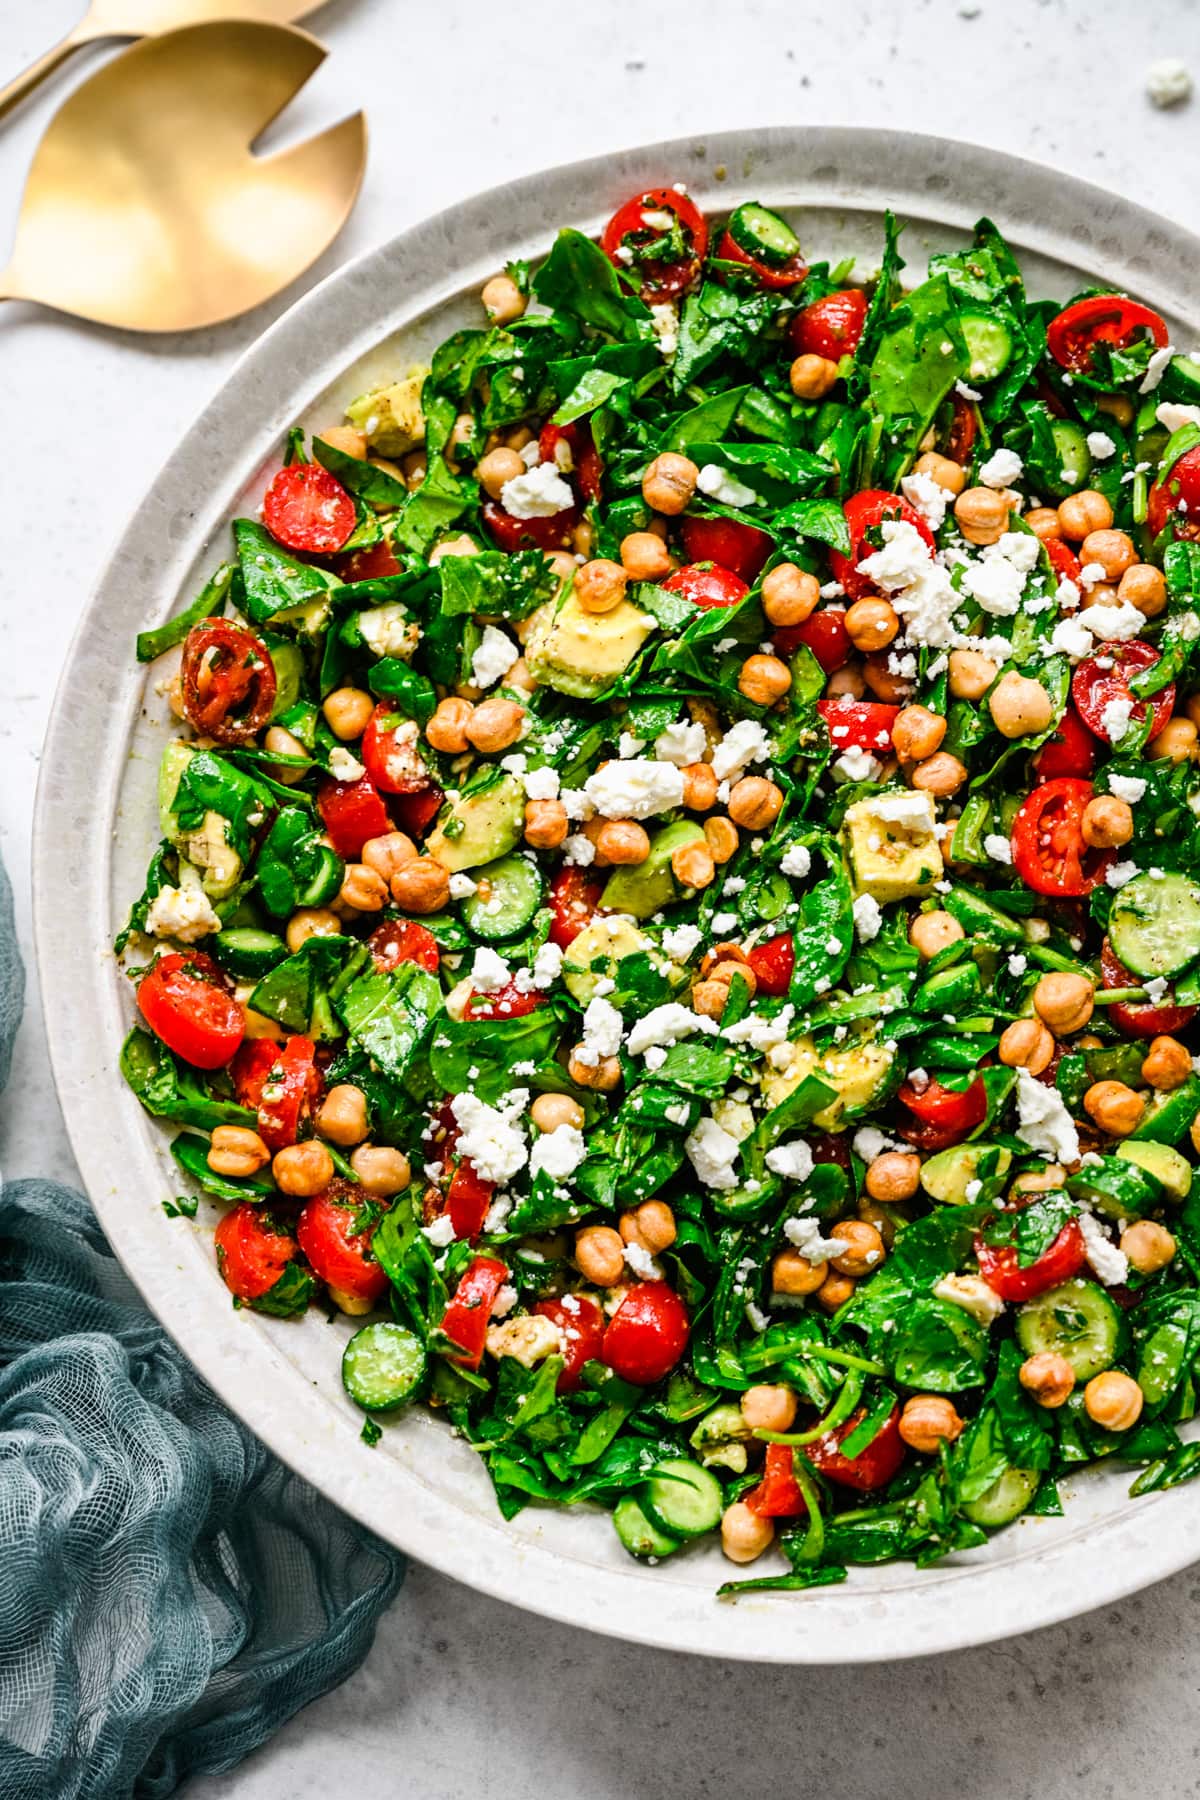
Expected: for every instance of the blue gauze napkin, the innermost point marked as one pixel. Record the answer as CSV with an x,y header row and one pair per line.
x,y
170,1594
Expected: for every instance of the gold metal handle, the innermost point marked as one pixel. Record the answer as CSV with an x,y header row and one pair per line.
x,y
36,73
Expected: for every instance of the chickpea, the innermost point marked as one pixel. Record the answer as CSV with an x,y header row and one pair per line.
x,y
495,725
1038,1181
461,544
710,998
497,469
789,594
1115,1108
600,1255
1026,1044
447,729
982,515
600,585
879,1215
381,1171
348,711
421,886
602,1076
732,961
744,1536
1112,550
834,1291
792,1273
846,683
764,679
1107,822
1148,1246
503,300
583,539
461,432
755,802
362,889
669,483
884,682
932,931
699,786
941,774
1064,1002
1048,1377
894,1176
1145,587
865,1251
348,439
1043,522
233,1150
692,864
652,1225
388,853
549,1111
1019,706
644,556
1113,1401
546,824
1177,741
311,921
970,674
1082,513
343,1115
949,475
927,1421
811,377
302,1169
281,743
917,733
414,467
769,1407
519,676
623,842
1167,1064
871,625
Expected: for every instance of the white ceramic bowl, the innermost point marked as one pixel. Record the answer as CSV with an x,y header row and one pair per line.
x,y
422,1489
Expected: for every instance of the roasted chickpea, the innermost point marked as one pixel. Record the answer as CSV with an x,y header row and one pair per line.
x,y
871,625
927,1421
644,556
1112,551
982,515
811,377
380,1170
917,733
1149,1247
764,679
1020,706
710,998
600,1255
234,1150
421,886
699,786
302,1169
1113,1401
1026,1044
652,1225
1145,587
932,931
549,1111
769,1407
1176,742
496,724
744,1536
503,300
793,1274
835,1290
865,1251
348,439
1038,1181
692,864
893,1176
1043,522
447,729
600,585
414,467
519,676
1115,1108
846,683
623,842
669,483
1082,513
884,681
281,743
969,674
947,474
348,711
311,921
941,774
1167,1064
721,836
497,469
1107,822
343,1115
1064,1002
363,890
546,824
789,594
755,802
1048,1377
600,1076
388,853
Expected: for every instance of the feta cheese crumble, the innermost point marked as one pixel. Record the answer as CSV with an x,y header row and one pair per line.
x,y
1045,1124
537,494
743,743
489,1138
720,485
1108,1263
184,913
712,1153
1001,469
494,657
557,1153
637,789
665,1025
681,743
1168,82
868,918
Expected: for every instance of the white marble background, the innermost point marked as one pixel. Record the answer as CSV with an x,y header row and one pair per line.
x,y
463,1694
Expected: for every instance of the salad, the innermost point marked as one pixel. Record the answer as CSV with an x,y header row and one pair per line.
x,y
679,904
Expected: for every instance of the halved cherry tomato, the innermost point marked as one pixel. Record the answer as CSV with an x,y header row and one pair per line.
x,y
873,1467
707,585
773,963
943,1116
508,1002
1048,849
830,327
465,1320
773,277
825,635
251,1254
581,1323
742,549
628,230
403,941
1004,1275
468,1199
1094,686
1063,560
585,458
574,902
390,754
227,681
1073,333
866,512
1177,498
185,1001
414,813
280,1082
964,428
553,533
374,563
307,509
337,1253
859,724
1071,751
352,812
1138,1018
778,1495
647,1334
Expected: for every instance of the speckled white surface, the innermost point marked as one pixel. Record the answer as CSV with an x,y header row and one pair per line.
x,y
458,1684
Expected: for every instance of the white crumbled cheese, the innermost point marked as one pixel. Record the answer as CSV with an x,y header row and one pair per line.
x,y
996,584
857,764
919,588
870,1142
628,745
666,326
1113,621
720,485
1156,369
183,913
678,1113
1119,873
960,387
537,494
557,1153
973,1294
531,453
639,1259
743,743
1101,445
602,1028
1017,964
577,804
494,658
712,1153
388,630
1001,469
579,850
911,807
504,1302
1172,416
760,1033
1168,82
805,1236
665,1025
546,969
343,766
1114,718
1157,987
491,1138
1072,639
542,784
679,941
758,1319
681,743
797,862
1045,1124
516,763
489,971
926,497
997,847
832,590
1129,788
439,1232
724,922
1092,574
793,1161
462,887
868,917
637,789
1105,1260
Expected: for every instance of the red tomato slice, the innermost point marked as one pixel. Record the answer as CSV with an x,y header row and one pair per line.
x,y
1000,1269
773,963
465,1320
280,1082
629,231
872,1467
859,724
825,635
778,1495
1048,849
1139,1018
468,1199
574,902
338,1254
414,813
1071,751
830,327
1093,687
390,754
508,1002
227,680
647,1334
742,549
584,459
403,941
1073,333
374,563
773,277
512,534
251,1256
352,813
943,1116
866,512
306,509
185,1002
1063,560
1177,498
964,428
707,586
582,1325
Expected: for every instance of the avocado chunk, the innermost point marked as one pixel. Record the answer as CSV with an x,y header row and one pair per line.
x,y
483,823
862,1073
1160,1160
645,888
597,950
392,416
582,653
891,845
288,661
208,848
947,1176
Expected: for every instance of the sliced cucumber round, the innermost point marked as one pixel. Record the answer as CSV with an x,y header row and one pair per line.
x,y
507,895
640,1537
682,1498
247,953
326,878
1154,924
989,345
1074,457
762,233
1076,1320
382,1366
1005,1500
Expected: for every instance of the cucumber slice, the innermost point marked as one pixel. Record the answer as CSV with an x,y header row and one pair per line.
x,y
636,1532
1077,1320
683,1499
248,953
989,345
508,894
1075,459
1117,1187
763,234
1155,924
1181,380
382,1366
1005,1500
326,880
